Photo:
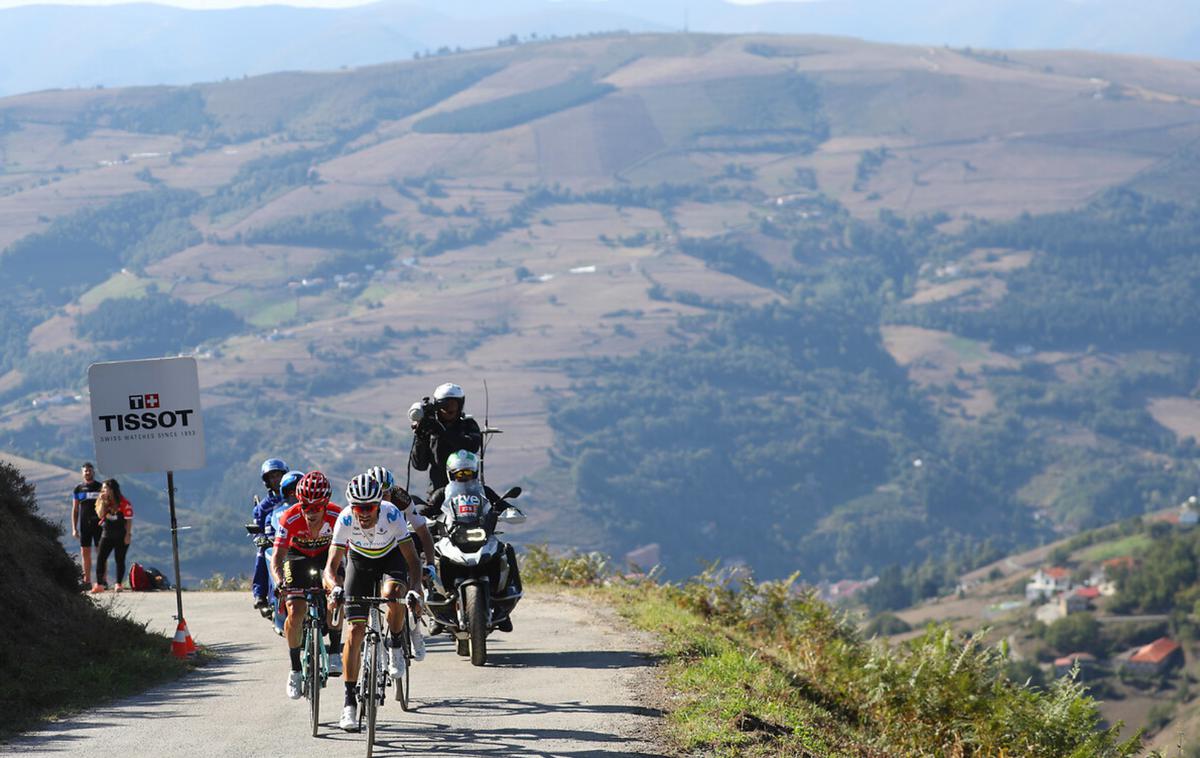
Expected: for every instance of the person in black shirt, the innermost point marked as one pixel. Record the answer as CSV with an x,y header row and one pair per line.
x,y
440,435
85,526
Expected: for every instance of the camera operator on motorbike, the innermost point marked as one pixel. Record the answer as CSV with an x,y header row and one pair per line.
x,y
272,471
375,537
301,553
463,467
440,427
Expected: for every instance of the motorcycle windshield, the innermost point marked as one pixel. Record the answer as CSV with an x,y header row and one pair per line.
x,y
466,502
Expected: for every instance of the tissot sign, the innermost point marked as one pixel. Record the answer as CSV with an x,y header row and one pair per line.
x,y
146,415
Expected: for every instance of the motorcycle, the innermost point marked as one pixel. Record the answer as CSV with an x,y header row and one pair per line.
x,y
476,592
277,612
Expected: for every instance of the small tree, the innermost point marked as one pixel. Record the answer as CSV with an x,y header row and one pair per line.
x,y
1078,632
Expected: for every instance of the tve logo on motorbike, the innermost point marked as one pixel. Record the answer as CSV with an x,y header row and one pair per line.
x,y
146,415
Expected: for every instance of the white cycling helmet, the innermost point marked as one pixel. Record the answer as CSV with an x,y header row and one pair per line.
x,y
462,466
364,489
450,391
383,476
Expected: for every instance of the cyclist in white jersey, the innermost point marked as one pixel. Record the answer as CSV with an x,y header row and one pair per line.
x,y
375,536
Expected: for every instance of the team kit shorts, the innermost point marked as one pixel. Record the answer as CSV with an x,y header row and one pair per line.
x,y
364,574
302,572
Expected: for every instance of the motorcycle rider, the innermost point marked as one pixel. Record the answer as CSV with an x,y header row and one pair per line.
x,y
463,466
374,537
272,471
438,435
301,552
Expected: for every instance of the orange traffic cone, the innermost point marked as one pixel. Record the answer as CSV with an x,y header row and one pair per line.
x,y
183,646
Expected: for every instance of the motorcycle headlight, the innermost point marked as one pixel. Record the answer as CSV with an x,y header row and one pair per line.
x,y
475,535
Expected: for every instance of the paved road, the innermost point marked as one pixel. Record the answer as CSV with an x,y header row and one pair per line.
x,y
564,683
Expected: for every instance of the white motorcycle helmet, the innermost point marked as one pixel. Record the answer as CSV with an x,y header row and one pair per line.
x,y
462,466
450,391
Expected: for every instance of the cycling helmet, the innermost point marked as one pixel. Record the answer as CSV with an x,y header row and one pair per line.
x,y
449,391
462,466
272,464
383,476
314,488
363,489
290,479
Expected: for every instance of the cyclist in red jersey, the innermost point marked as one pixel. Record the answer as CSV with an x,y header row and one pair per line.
x,y
301,552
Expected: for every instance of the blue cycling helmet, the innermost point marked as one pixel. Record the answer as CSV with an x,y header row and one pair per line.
x,y
272,464
290,479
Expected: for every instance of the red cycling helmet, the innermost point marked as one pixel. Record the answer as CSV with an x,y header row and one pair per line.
x,y
314,488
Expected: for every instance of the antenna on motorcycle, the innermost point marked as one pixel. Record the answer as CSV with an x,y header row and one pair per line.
x,y
487,428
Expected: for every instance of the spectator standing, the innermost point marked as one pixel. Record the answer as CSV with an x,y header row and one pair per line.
x,y
116,524
85,526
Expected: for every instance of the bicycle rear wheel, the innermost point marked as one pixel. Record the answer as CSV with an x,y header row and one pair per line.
x,y
403,687
312,677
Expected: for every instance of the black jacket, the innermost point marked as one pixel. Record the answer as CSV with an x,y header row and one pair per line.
x,y
430,452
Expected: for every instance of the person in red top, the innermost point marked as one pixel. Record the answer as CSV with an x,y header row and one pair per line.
x,y
115,515
301,551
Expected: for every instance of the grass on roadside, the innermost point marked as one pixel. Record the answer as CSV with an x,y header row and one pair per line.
x,y
59,651
767,669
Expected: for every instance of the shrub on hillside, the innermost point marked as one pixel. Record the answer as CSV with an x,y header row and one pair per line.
x,y
58,650
939,694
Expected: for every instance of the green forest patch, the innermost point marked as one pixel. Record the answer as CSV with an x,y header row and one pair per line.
x,y
121,284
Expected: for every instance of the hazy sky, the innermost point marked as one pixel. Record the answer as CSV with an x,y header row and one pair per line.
x,y
214,4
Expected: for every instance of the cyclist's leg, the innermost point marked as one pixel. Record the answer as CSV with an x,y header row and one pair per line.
x,y
395,584
394,580
361,577
335,631
295,577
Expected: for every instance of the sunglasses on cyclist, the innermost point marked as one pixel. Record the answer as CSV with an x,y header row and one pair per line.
x,y
313,507
464,475
364,507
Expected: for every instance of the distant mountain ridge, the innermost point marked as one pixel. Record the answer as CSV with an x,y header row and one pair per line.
x,y
63,46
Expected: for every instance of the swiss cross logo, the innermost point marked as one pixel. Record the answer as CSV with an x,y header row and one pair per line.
x,y
138,402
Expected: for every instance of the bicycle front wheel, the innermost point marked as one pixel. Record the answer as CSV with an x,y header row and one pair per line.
x,y
312,677
371,672
403,687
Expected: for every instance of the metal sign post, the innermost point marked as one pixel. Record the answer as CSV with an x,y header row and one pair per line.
x,y
175,543
146,417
